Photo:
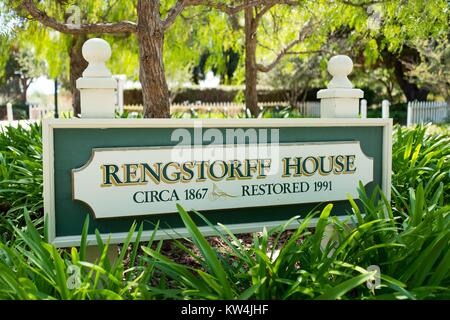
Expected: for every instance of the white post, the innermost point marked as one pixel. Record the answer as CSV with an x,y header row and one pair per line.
x,y
98,99
385,109
121,79
340,100
9,112
97,86
363,109
30,110
409,115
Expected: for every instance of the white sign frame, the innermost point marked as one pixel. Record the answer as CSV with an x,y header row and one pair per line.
x,y
48,160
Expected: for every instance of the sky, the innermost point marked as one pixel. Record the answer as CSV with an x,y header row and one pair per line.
x,y
42,85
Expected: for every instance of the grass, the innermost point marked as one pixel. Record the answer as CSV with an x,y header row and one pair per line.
x,y
409,239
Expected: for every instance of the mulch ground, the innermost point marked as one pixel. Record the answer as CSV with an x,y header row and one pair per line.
x,y
172,250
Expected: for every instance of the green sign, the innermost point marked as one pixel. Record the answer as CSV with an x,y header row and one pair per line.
x,y
245,174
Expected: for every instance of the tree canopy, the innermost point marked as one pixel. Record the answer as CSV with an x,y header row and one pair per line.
x,y
401,43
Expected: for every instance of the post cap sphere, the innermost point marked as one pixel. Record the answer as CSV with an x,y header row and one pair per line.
x,y
96,50
340,65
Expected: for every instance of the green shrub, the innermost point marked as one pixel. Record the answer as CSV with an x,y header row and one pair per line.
x,y
414,257
34,269
21,178
419,158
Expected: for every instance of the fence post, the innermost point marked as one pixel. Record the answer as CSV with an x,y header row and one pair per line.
x,y
30,110
97,86
385,109
98,98
121,79
9,112
409,115
340,100
363,109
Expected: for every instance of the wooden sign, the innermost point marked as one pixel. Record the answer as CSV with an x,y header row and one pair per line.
x,y
245,174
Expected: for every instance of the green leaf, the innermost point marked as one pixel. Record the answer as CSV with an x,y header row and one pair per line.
x,y
338,291
208,253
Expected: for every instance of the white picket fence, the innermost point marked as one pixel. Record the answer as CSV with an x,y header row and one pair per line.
x,y
35,112
310,109
427,111
306,108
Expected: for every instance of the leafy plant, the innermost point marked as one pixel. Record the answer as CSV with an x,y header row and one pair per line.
x,y
34,269
21,178
412,255
261,272
419,158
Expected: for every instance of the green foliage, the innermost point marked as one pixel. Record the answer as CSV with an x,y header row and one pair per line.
x,y
412,255
21,178
419,158
261,272
434,69
34,269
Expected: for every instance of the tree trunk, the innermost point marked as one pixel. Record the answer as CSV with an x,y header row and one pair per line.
x,y
410,90
251,71
77,66
150,33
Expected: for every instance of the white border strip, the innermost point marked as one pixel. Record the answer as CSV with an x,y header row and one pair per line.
x,y
219,123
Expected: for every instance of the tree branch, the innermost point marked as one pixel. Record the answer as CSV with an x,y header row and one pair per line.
x,y
265,47
180,5
303,33
174,12
272,3
230,10
41,16
263,11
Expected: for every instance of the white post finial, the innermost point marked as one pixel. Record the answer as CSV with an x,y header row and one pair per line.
x,y
340,100
97,86
340,67
96,52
